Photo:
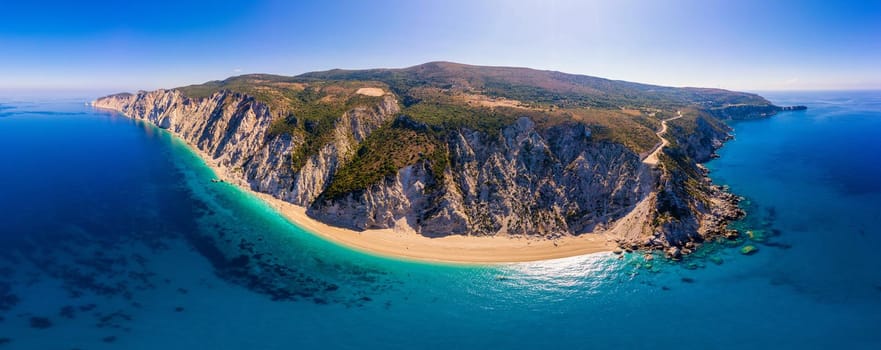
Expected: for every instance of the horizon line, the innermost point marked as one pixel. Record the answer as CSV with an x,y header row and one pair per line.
x,y
238,73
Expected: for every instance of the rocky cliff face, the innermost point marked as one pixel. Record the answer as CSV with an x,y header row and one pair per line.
x,y
234,130
743,112
690,208
520,181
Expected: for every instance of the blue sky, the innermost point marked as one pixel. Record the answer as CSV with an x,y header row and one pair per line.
x,y
745,44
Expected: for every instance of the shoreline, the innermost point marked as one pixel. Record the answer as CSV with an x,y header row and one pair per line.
x,y
408,245
403,243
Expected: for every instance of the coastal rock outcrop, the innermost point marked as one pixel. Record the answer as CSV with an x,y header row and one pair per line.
x,y
690,208
447,149
234,130
520,181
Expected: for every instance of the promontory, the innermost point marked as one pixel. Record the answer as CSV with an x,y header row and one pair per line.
x,y
442,153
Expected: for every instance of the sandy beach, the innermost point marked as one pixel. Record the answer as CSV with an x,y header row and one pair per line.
x,y
406,244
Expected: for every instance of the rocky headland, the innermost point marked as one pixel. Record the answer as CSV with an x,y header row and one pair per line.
x,y
444,149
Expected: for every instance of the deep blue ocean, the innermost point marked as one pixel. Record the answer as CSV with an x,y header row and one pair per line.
x,y
113,236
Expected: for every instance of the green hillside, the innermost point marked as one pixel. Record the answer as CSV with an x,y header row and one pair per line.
x,y
443,97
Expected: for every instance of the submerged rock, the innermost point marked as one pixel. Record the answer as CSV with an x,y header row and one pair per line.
x,y
67,312
749,250
757,235
7,299
40,322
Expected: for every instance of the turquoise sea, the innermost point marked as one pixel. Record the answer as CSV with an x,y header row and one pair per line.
x,y
113,236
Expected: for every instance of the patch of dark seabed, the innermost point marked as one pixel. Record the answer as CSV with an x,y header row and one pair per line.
x,y
104,249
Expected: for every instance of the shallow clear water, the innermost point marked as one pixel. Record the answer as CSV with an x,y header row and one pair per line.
x,y
113,236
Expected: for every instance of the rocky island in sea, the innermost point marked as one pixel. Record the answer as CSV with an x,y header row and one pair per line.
x,y
452,162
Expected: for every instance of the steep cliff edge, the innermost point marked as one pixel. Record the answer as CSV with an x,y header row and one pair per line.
x,y
446,150
519,181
